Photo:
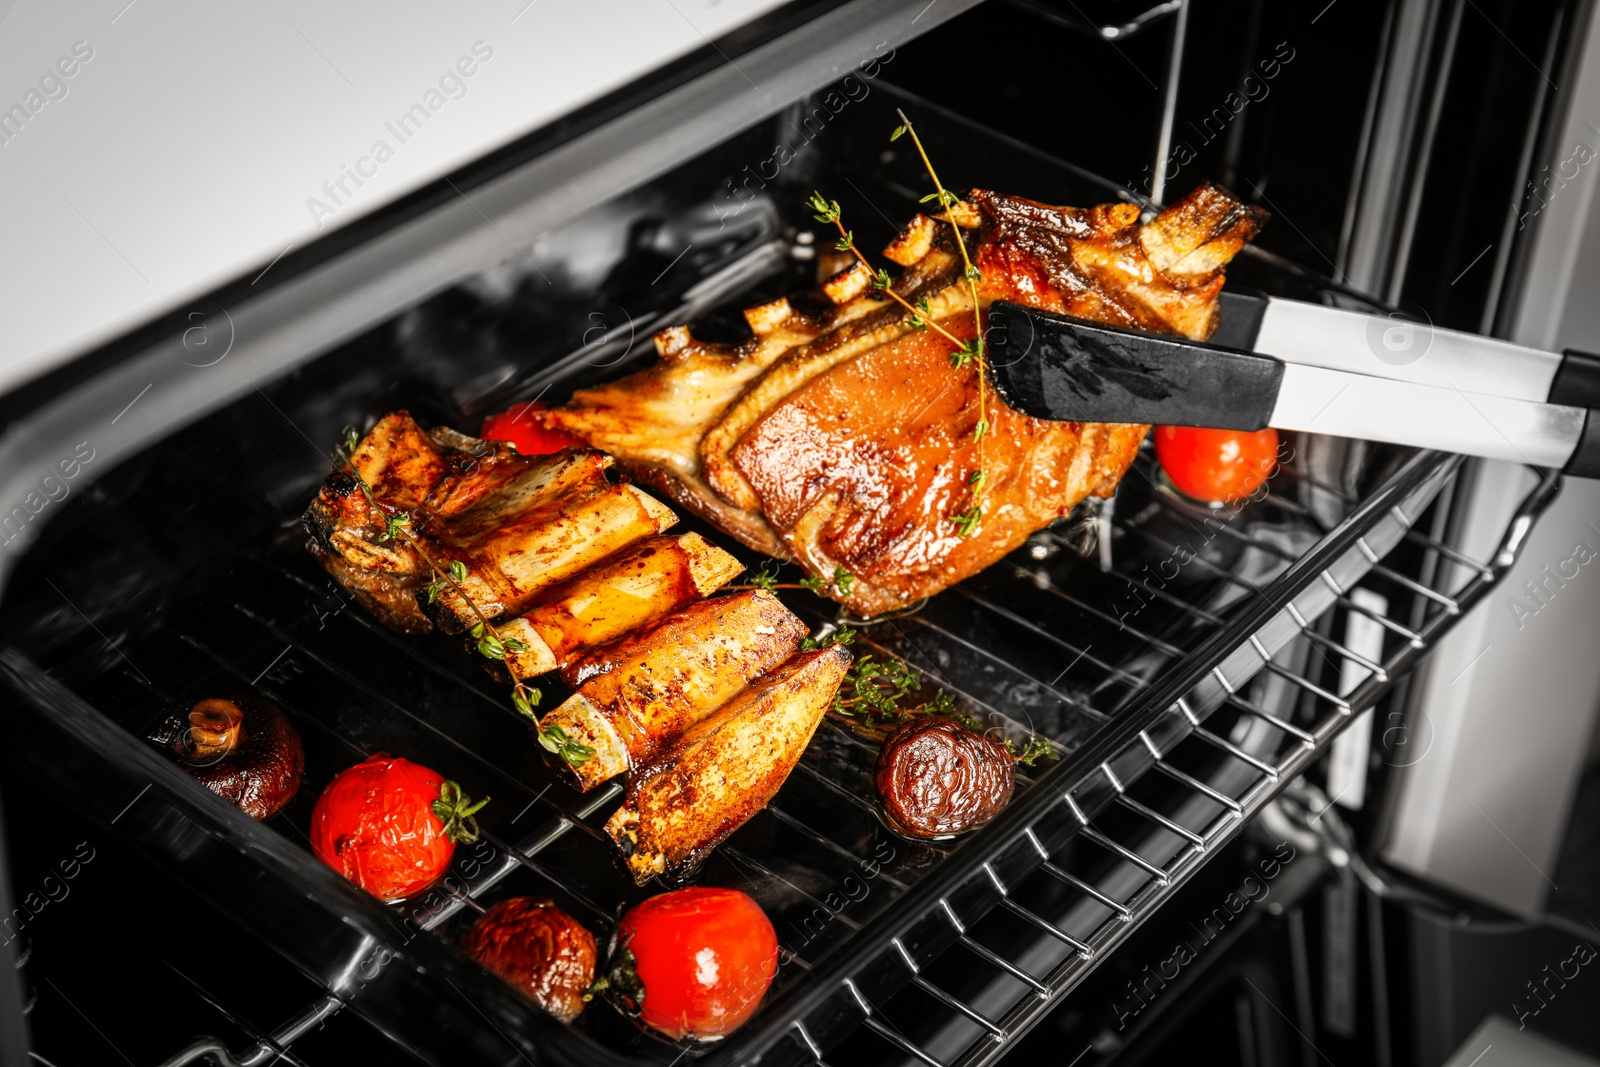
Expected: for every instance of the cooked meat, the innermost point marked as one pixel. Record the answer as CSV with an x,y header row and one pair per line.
x,y
244,750
937,777
638,694
724,769
844,438
607,601
520,524
538,948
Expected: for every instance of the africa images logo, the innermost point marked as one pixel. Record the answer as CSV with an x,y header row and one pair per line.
x,y
452,85
1402,338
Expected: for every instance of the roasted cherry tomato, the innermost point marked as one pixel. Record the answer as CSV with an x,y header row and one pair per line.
x,y
1214,465
538,948
391,826
522,426
694,962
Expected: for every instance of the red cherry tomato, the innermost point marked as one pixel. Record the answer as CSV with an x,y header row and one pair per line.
x,y
1213,465
391,826
522,426
704,959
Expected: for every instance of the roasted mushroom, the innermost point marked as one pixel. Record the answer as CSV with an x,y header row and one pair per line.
x,y
937,777
242,749
538,948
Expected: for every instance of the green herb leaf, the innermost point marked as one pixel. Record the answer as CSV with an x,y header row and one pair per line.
x,y
825,210
394,524
980,431
899,132
972,274
845,243
554,739
767,577
882,281
963,718
492,646
1035,748
843,580
931,196
842,636
968,520
978,481
458,570
456,810
351,439
814,583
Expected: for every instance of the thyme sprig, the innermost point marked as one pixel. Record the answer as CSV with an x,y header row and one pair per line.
x,y
767,578
873,699
1035,748
977,484
524,697
919,317
828,211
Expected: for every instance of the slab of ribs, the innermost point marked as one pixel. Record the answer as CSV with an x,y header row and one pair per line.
x,y
839,435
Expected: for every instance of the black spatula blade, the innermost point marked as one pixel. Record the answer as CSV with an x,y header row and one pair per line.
x,y
1070,370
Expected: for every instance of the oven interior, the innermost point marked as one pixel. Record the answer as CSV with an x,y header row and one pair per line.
x,y
182,574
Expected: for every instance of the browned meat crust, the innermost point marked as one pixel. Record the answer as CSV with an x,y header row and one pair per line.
x,y
520,524
725,768
844,439
610,600
638,694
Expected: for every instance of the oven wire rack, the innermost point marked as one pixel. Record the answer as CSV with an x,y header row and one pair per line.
x,y
1173,844
1108,881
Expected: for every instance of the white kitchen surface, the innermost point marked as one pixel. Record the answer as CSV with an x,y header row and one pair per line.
x,y
194,143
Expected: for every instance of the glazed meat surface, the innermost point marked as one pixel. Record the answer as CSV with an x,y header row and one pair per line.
x,y
843,438
640,693
725,768
520,524
625,593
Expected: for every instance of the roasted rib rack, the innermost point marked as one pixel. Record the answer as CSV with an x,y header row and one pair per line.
x,y
843,437
705,698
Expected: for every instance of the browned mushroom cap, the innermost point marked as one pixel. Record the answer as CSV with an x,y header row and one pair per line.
x,y
242,749
538,948
937,777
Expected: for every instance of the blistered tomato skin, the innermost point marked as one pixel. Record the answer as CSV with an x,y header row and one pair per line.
x,y
523,426
705,957
1216,465
539,949
375,825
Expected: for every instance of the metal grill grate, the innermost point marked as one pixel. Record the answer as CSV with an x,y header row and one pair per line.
x,y
1210,785
1179,705
1154,780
